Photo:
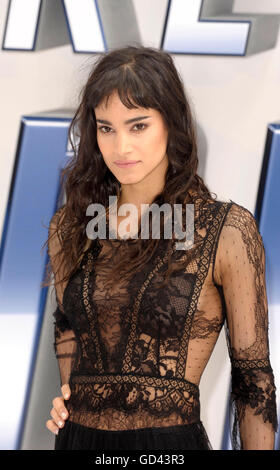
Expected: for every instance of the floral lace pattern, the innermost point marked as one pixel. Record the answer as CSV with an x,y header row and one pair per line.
x,y
252,385
253,390
134,355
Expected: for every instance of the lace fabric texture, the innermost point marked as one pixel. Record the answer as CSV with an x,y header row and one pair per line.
x,y
134,355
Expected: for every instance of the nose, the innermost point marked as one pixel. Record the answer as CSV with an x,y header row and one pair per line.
x,y
122,143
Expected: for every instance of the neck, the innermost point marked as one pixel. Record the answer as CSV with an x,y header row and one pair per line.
x,y
145,191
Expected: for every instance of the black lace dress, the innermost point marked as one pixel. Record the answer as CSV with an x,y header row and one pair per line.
x,y
133,355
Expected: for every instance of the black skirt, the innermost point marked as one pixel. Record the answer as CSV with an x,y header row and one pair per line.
x,y
74,436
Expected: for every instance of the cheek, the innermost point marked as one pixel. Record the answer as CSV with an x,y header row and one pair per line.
x,y
100,143
155,146
105,148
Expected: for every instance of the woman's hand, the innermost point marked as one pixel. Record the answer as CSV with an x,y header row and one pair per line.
x,y
59,412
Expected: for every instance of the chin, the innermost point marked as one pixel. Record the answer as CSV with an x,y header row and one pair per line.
x,y
129,179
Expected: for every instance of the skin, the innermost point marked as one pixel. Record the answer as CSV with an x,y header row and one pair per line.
x,y
144,140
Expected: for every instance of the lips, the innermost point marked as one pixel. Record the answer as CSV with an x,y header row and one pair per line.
x,y
125,164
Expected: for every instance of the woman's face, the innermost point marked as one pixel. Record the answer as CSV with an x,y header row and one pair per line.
x,y
143,139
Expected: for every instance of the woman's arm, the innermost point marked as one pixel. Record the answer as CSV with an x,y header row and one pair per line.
x,y
65,343
240,270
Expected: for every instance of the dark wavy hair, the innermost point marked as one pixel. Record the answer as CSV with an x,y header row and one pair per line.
x,y
143,77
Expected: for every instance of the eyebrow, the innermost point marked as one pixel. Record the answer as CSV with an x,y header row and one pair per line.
x,y
104,121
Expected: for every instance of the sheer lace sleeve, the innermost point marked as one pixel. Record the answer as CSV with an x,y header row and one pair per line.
x,y
64,338
240,270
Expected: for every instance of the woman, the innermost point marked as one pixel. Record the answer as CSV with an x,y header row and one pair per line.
x,y
137,319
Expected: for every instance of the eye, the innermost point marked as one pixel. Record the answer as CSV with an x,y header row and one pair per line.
x,y
104,127
140,124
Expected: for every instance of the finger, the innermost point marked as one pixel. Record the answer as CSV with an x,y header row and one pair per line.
x,y
58,405
58,402
60,409
66,392
57,418
51,426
